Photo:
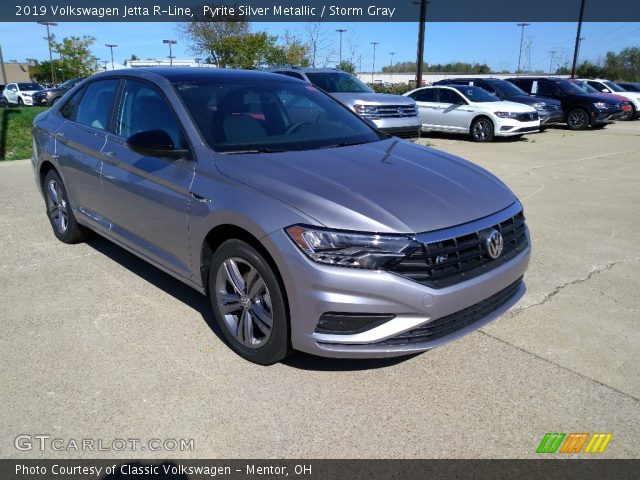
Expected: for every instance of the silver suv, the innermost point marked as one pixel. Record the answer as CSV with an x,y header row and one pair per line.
x,y
307,228
393,114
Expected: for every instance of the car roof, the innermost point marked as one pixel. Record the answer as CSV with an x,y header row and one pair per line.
x,y
308,70
194,74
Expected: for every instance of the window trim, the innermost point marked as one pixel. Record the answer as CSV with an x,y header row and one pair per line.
x,y
82,92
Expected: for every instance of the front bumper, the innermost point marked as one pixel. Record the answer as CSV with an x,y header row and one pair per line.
x,y
314,289
606,116
27,100
403,127
39,101
506,127
550,118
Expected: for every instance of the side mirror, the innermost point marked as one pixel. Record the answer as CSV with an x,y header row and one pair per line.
x,y
155,143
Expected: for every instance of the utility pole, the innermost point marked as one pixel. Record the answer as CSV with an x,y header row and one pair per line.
x,y
392,54
521,25
170,42
373,67
553,54
577,47
341,31
111,46
50,24
419,61
105,63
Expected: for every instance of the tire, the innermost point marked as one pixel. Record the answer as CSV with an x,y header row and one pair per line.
x,y
482,130
246,296
64,224
20,102
578,119
631,115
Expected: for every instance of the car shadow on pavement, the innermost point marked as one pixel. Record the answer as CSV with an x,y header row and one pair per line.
x,y
200,303
467,138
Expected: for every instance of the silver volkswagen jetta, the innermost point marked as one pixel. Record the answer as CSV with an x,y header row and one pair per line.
x,y
308,229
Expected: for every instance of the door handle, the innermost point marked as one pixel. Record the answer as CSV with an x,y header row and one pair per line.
x,y
198,198
61,137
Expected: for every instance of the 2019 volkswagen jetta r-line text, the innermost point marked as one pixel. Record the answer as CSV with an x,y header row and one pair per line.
x,y
307,228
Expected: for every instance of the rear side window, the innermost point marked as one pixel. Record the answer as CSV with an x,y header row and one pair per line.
x,y
144,108
94,108
524,85
546,88
427,95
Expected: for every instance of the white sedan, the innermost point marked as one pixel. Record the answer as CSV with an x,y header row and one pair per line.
x,y
473,111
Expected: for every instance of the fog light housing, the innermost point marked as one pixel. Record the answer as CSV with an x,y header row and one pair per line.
x,y
350,323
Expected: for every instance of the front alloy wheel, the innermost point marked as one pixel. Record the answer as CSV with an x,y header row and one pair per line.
x,y
248,303
578,119
482,130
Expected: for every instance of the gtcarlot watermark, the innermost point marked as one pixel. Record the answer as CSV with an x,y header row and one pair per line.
x,y
43,442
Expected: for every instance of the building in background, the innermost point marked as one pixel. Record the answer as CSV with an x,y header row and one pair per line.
x,y
14,72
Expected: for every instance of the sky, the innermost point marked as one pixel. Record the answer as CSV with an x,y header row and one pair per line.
x,y
496,44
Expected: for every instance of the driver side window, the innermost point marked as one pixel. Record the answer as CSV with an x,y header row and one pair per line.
x,y
144,108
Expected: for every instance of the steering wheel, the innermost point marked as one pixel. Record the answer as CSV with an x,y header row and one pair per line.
x,y
297,126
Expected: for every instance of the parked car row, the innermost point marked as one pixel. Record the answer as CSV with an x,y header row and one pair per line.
x,y
34,94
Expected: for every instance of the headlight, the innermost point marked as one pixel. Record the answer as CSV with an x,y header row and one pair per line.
x,y
539,106
601,105
370,251
369,110
507,114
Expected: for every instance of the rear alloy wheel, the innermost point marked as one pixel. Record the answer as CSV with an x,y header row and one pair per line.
x,y
248,303
59,211
482,130
578,119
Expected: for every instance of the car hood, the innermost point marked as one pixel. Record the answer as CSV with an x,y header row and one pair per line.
x,y
385,186
506,104
351,98
532,99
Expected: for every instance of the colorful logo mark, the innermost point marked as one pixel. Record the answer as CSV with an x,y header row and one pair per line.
x,y
574,442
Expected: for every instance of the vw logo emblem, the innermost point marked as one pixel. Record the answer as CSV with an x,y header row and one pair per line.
x,y
493,243
400,112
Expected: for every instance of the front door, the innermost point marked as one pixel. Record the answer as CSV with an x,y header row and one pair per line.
x,y
148,196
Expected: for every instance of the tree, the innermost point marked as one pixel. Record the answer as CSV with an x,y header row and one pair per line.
x,y
320,46
292,51
76,58
346,66
623,66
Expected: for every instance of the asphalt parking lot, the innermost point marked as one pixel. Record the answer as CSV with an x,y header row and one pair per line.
x,y
97,344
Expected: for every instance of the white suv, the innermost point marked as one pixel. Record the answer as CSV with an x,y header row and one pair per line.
x,y
20,93
474,111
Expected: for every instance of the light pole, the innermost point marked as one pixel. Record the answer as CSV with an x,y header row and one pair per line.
x,y
341,31
577,47
421,26
373,66
50,24
553,54
170,42
522,25
392,54
105,63
111,46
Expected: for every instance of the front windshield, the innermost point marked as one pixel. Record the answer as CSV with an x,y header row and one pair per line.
x,y
585,86
614,86
475,94
508,89
69,83
571,88
29,86
338,82
256,116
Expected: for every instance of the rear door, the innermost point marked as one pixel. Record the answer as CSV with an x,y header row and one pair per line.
x,y
79,141
148,196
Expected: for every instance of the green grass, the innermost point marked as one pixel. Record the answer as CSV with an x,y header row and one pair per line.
x,y
15,132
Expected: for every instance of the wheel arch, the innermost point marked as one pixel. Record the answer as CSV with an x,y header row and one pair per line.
x,y
45,167
478,117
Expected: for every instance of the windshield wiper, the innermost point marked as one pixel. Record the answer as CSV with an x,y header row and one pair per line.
x,y
343,144
248,151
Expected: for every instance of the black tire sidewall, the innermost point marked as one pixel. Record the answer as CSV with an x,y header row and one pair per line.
x,y
584,112
278,345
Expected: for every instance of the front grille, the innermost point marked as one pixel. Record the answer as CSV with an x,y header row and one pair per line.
x,y
444,263
391,111
552,108
450,324
527,117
